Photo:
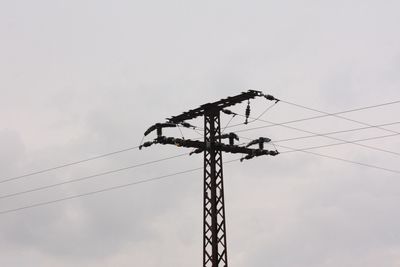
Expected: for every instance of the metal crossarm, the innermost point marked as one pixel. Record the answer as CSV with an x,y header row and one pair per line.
x,y
219,105
217,145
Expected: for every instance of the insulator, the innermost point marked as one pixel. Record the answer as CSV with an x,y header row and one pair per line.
x,y
247,112
247,157
264,140
146,144
270,97
232,138
197,151
274,153
228,112
187,125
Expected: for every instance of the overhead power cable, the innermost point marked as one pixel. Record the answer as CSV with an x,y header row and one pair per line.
x,y
96,192
321,116
341,131
132,148
227,125
183,172
142,181
89,177
343,143
337,115
265,111
330,137
259,116
163,159
180,131
68,164
305,150
339,159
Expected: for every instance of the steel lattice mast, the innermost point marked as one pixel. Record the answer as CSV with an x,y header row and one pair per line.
x,y
214,228
214,223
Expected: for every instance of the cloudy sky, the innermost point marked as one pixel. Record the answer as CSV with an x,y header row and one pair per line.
x,y
83,78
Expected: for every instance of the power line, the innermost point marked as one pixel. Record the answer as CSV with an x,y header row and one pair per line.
x,y
179,128
183,172
339,159
265,111
259,116
266,126
341,131
163,159
305,150
344,118
95,192
73,163
89,177
68,164
227,125
343,143
104,190
330,137
321,116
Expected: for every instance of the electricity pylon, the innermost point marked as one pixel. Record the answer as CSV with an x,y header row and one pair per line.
x,y
214,223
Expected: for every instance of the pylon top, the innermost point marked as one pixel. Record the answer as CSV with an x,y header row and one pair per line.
x,y
218,105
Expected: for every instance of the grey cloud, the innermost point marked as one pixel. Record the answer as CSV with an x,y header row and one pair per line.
x,y
80,78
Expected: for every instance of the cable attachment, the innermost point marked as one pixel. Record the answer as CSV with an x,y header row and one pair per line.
x,y
270,97
196,151
259,152
247,112
260,141
274,152
187,125
146,144
232,137
250,156
228,112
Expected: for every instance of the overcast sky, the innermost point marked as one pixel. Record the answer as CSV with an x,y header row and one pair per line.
x,y
83,78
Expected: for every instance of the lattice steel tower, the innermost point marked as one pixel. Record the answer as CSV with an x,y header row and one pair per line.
x,y
214,223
